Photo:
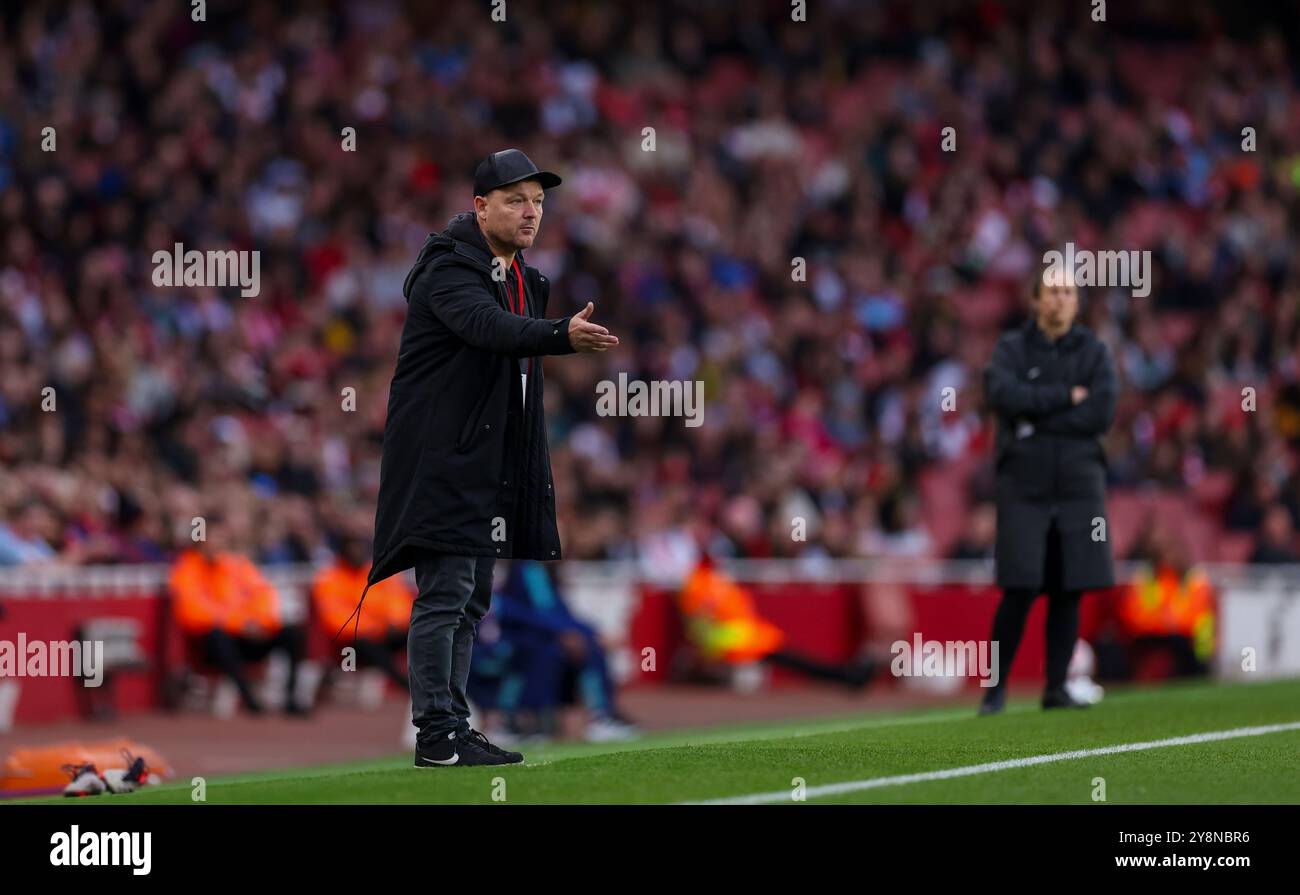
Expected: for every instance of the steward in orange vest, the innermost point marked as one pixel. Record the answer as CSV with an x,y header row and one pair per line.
x,y
1165,602
231,614
379,633
213,590
724,625
334,598
721,619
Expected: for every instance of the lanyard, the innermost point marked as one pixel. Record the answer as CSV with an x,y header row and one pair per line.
x,y
519,275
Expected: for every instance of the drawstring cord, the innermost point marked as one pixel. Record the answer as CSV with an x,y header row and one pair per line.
x,y
356,612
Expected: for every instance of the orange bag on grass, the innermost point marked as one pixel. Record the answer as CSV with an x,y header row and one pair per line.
x,y
38,770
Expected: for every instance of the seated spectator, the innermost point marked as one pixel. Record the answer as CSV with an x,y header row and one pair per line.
x,y
1276,539
723,624
380,626
543,657
515,678
231,613
1169,607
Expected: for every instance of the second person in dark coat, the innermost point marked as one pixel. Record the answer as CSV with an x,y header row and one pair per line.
x,y
1053,386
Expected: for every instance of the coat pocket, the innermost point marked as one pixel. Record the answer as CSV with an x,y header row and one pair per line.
x,y
473,422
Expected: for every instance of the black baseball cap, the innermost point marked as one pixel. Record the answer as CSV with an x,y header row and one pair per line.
x,y
506,167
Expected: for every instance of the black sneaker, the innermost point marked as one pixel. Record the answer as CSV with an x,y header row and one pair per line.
x,y
462,750
478,739
439,753
994,701
1060,699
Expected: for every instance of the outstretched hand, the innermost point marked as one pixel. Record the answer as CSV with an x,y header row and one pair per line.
x,y
587,336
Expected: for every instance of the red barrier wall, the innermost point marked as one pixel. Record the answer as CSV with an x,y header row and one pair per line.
x,y
50,618
826,622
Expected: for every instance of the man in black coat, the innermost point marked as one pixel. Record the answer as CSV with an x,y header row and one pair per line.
x,y
1053,386
466,476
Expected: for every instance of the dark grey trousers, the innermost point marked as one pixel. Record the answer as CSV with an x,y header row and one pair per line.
x,y
454,595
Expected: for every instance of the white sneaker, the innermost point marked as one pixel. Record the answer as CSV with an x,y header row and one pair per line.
x,y
749,677
117,782
129,778
1085,689
85,780
225,700
608,730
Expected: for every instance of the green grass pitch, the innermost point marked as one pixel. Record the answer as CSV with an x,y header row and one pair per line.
x,y
750,759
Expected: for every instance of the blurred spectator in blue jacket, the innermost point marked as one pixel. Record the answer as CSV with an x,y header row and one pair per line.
x,y
534,655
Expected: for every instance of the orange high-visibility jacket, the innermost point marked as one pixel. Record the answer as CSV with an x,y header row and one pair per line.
x,y
227,593
721,619
1162,602
334,595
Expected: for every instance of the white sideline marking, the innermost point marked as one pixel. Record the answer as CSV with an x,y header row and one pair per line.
x,y
834,789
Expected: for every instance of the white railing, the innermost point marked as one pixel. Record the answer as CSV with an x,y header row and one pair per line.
x,y
99,581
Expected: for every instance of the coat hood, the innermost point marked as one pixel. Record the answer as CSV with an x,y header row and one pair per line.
x,y
461,238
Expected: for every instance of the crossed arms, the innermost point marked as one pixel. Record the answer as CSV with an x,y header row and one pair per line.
x,y
1052,406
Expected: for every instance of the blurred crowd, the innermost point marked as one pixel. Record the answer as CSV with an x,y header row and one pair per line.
x,y
780,148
